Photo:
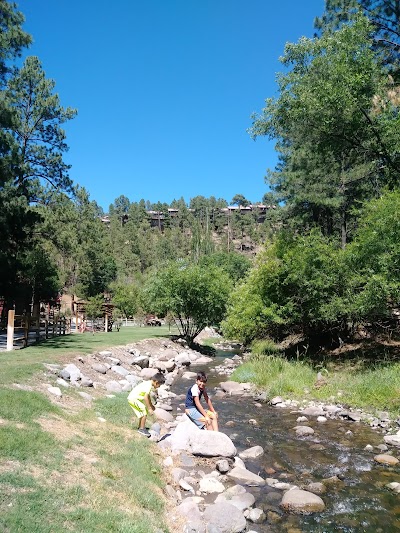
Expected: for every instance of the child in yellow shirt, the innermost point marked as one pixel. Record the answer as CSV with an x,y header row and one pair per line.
x,y
140,401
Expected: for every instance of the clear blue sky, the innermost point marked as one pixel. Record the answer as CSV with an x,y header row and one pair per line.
x,y
165,90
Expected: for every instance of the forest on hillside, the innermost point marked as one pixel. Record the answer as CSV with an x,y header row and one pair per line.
x,y
323,262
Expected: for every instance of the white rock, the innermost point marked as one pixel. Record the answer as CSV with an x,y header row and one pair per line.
x,y
252,453
246,477
56,391
210,485
394,440
257,516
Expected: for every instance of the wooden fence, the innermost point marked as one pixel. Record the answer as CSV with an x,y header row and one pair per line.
x,y
23,329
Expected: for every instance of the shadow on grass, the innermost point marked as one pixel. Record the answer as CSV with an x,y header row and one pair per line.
x,y
87,342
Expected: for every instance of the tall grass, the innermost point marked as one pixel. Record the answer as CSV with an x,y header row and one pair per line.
x,y
276,375
373,387
264,347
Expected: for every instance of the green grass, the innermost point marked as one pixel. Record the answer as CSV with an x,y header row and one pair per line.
x,y
66,471
372,387
24,406
52,486
19,365
22,444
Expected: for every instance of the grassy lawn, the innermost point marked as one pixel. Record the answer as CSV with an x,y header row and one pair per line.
x,y
67,470
21,364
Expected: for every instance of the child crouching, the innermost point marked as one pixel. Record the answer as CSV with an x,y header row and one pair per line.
x,y
140,401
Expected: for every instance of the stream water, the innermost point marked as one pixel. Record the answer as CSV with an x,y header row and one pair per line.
x,y
360,502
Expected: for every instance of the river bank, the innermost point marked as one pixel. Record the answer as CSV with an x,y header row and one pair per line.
x,y
86,414
363,375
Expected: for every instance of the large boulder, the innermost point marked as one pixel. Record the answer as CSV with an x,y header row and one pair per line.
x,y
189,509
224,518
313,411
202,360
303,431
180,438
210,485
120,370
133,380
301,502
113,386
188,437
211,444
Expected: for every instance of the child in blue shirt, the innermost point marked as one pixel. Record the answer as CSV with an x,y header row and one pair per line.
x,y
193,408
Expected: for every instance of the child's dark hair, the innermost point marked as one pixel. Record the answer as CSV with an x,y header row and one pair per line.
x,y
201,376
160,378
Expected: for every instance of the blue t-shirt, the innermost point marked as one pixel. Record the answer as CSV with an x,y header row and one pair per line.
x,y
191,393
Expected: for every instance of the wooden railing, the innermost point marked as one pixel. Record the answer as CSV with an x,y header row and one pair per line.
x,y
23,329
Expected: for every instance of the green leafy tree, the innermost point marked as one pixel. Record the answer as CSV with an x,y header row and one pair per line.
x,y
337,147
373,259
290,290
94,309
234,264
126,297
196,296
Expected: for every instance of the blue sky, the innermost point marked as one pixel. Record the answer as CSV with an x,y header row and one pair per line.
x,y
165,90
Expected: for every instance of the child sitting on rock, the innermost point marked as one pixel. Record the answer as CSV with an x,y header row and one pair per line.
x,y
140,401
193,408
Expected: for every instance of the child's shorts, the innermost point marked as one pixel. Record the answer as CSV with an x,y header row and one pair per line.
x,y
196,417
138,407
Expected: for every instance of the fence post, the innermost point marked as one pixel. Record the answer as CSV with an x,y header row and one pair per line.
x,y
26,329
106,323
59,325
10,330
37,328
46,325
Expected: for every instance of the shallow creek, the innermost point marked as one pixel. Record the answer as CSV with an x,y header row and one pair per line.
x,y
359,503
